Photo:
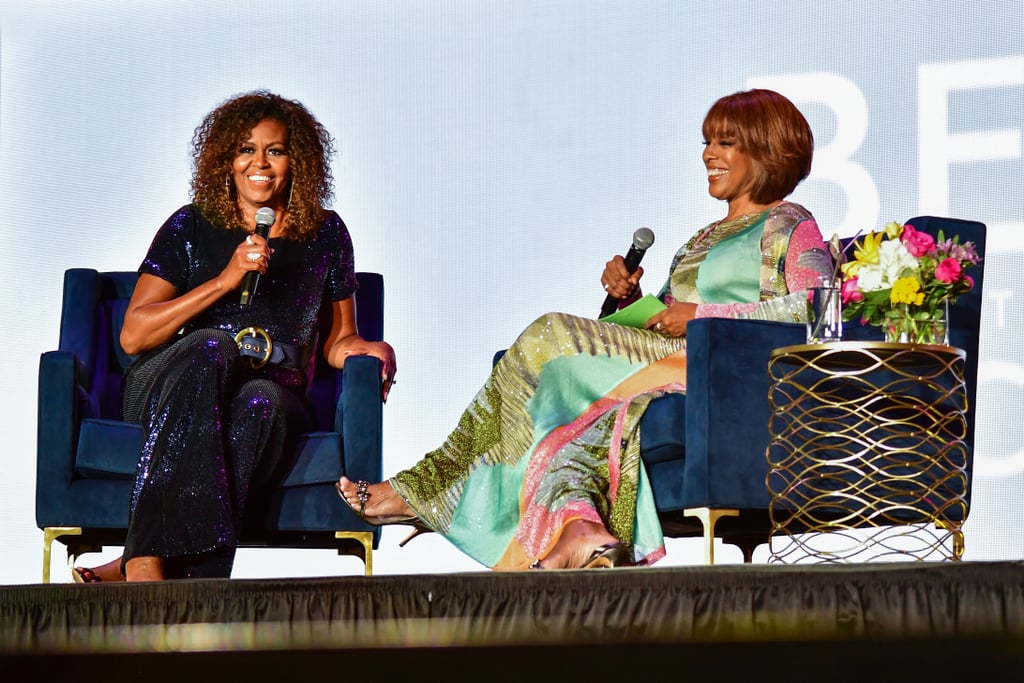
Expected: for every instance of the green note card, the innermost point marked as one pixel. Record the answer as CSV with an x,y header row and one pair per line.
x,y
637,313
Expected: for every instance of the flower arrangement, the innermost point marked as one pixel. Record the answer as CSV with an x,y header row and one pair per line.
x,y
902,280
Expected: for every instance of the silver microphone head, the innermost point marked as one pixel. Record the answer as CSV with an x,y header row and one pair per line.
x,y
643,238
265,216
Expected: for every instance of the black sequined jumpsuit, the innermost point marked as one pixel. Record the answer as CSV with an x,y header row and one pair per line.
x,y
216,429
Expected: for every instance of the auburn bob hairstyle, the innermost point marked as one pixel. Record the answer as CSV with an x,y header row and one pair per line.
x,y
769,128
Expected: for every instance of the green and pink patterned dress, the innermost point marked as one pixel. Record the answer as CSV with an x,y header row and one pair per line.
x,y
553,435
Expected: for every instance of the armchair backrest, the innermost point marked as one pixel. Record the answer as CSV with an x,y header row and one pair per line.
x,y
965,316
90,326
93,312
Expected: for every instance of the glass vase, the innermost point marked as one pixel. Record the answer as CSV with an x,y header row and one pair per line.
x,y
906,326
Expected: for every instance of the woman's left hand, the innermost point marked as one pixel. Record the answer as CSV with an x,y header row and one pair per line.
x,y
382,351
673,320
344,341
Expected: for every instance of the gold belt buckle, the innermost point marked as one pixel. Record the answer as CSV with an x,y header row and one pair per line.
x,y
252,350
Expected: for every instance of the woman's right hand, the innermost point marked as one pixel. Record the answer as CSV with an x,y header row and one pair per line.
x,y
251,255
157,311
618,281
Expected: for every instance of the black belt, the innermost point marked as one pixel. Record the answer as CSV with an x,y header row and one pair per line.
x,y
255,345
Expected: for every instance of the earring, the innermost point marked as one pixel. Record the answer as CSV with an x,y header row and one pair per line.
x,y
291,190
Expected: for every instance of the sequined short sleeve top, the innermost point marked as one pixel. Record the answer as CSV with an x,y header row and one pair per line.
x,y
188,250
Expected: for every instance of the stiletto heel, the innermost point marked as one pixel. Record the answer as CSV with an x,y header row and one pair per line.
x,y
419,528
609,556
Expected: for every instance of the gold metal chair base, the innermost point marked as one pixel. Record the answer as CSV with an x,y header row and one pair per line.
x,y
362,547
50,534
709,518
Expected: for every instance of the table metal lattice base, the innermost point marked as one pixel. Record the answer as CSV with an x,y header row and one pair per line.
x,y
867,454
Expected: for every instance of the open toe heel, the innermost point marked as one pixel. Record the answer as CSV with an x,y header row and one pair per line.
x,y
84,575
363,496
609,556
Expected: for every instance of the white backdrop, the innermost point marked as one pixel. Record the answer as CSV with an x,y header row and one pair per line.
x,y
492,156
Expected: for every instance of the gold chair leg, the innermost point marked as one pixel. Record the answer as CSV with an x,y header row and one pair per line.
x,y
50,534
363,547
709,517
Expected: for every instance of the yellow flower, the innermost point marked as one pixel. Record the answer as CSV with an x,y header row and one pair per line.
x,y
865,252
893,230
906,290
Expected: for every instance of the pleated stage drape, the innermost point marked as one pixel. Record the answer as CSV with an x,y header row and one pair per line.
x,y
860,612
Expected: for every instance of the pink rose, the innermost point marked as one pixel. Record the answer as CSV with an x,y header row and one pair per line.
x,y
917,243
948,270
851,291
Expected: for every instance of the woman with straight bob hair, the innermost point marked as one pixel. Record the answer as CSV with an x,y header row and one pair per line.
x,y
543,470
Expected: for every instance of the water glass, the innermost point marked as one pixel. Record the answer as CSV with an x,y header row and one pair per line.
x,y
824,312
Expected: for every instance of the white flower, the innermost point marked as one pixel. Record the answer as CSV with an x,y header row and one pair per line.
x,y
893,259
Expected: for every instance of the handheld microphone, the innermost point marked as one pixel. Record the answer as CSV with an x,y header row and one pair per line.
x,y
264,219
642,239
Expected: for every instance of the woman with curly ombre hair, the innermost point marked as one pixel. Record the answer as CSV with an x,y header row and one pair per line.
x,y
215,145
218,422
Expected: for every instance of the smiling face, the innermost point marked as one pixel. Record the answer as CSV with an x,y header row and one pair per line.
x,y
261,169
730,170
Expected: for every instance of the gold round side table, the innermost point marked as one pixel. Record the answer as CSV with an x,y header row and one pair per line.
x,y
867,457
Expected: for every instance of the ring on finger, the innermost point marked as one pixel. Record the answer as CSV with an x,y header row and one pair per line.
x,y
657,326
606,287
254,256
248,240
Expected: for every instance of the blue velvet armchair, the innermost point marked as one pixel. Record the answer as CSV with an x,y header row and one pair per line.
x,y
705,452
86,454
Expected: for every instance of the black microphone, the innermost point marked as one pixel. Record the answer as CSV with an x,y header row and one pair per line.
x,y
264,219
642,239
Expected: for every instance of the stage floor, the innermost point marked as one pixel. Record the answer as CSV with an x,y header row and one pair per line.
x,y
836,622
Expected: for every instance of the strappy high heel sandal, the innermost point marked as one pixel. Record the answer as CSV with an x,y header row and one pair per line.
x,y
363,494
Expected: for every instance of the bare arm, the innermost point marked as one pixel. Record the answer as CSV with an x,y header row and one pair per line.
x,y
343,341
156,312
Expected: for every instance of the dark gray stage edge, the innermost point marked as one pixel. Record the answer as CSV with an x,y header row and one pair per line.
x,y
762,621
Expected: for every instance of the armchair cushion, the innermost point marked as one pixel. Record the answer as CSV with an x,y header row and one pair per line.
x,y
663,430
108,449
317,461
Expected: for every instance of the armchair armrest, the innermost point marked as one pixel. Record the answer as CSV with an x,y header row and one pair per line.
x,y
59,400
359,418
727,409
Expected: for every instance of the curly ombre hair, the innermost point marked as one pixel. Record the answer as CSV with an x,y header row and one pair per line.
x,y
769,128
215,144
